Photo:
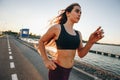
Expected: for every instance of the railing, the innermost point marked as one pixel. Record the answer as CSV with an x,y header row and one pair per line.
x,y
105,54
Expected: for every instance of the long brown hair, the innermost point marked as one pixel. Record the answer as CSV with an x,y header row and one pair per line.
x,y
62,18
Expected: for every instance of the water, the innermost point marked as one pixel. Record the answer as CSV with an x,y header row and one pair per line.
x,y
101,61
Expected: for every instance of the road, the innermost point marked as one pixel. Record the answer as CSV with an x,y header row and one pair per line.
x,y
19,62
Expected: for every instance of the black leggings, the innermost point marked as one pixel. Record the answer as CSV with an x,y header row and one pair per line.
x,y
60,73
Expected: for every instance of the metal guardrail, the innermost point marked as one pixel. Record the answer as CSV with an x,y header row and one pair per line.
x,y
92,76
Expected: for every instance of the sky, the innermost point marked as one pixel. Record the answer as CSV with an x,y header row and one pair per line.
x,y
35,15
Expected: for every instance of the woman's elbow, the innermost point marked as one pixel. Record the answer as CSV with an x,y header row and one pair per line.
x,y
40,43
81,56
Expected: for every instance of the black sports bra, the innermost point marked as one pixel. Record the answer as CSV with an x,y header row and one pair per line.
x,y
67,41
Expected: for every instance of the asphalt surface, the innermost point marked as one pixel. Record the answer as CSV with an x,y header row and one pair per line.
x,y
19,62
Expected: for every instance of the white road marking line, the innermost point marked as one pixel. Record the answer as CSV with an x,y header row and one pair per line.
x,y
10,57
10,52
12,65
8,42
14,77
8,45
9,49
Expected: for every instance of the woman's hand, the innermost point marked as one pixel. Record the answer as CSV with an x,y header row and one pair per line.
x,y
50,64
96,36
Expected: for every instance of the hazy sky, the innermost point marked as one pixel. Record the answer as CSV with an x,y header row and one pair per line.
x,y
35,14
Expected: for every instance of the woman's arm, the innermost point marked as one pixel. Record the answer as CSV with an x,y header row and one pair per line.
x,y
94,37
50,34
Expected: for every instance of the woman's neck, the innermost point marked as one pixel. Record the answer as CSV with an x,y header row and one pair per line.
x,y
69,25
69,28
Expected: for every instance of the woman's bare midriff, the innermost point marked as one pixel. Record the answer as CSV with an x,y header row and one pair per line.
x,y
65,58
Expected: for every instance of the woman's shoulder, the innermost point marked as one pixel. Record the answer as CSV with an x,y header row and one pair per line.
x,y
55,27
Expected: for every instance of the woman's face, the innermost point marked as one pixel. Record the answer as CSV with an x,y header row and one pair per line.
x,y
74,15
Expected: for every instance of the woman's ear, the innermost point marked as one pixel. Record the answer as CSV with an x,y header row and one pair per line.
x,y
67,14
